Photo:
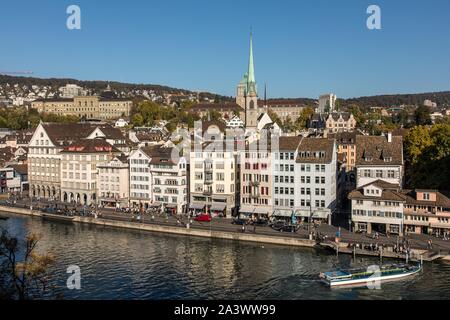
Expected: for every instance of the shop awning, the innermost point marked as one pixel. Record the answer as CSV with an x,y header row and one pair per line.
x,y
156,204
259,210
171,206
197,206
247,209
316,213
218,206
282,213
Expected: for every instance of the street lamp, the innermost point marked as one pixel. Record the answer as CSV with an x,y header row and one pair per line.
x,y
310,212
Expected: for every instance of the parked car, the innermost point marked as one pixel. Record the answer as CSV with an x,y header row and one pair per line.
x,y
289,228
203,218
277,225
239,221
260,222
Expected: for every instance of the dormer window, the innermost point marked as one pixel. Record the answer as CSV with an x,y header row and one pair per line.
x,y
388,159
426,196
368,158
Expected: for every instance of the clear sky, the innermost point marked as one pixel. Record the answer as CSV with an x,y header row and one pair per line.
x,y
302,48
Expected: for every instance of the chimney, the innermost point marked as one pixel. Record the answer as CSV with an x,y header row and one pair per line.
x,y
325,133
389,137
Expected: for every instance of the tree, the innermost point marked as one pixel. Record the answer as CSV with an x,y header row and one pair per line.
x,y
28,277
428,157
305,115
422,116
275,118
416,141
137,120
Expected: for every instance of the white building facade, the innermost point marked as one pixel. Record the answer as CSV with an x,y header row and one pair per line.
x,y
140,178
169,182
315,176
379,158
214,180
378,206
113,182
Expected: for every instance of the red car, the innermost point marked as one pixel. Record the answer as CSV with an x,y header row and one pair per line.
x,y
203,218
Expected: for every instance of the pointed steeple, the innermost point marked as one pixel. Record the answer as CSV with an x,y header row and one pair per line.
x,y
251,82
251,68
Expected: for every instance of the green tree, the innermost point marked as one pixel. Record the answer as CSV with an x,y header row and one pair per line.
x,y
416,141
137,120
305,115
422,116
428,157
275,118
24,273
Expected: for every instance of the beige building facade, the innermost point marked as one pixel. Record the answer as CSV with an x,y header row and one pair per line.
x,y
92,107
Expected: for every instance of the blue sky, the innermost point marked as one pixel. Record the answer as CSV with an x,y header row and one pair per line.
x,y
302,48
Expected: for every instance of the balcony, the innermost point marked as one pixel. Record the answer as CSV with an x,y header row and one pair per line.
x,y
207,192
208,169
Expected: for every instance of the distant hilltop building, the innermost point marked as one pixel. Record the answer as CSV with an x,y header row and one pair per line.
x,y
90,107
72,91
333,122
327,103
430,104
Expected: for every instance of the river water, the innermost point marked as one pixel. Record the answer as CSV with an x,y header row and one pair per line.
x,y
126,264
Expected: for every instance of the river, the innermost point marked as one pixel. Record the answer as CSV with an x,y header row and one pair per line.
x,y
126,264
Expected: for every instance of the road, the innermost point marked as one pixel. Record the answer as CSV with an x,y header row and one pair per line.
x,y
220,224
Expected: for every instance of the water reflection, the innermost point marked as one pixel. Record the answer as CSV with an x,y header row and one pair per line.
x,y
125,264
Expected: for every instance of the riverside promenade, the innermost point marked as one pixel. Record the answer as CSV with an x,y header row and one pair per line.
x,y
224,229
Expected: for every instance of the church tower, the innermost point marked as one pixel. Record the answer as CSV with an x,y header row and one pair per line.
x,y
247,93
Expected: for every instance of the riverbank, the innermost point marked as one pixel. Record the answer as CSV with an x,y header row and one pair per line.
x,y
229,232
194,232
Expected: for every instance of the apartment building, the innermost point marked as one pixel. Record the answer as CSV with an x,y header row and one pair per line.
x,y
379,158
256,177
315,178
140,177
79,172
327,103
346,144
44,158
426,212
92,107
378,206
284,180
113,182
159,178
169,180
14,179
214,176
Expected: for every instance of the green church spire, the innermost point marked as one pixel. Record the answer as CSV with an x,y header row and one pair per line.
x,y
251,82
251,68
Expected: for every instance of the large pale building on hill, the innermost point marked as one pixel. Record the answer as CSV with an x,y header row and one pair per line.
x,y
90,107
